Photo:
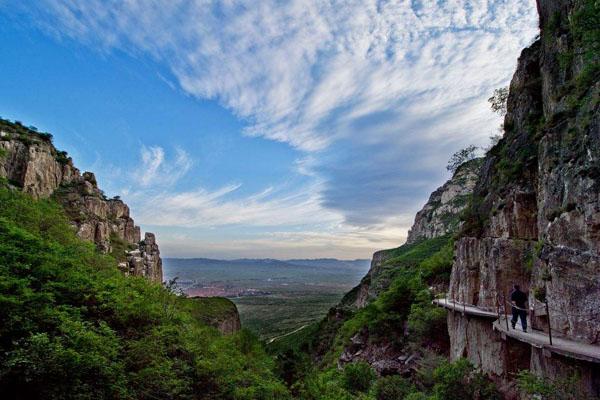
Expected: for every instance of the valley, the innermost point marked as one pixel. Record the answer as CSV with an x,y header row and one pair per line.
x,y
273,297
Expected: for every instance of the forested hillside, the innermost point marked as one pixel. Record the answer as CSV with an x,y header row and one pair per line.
x,y
73,326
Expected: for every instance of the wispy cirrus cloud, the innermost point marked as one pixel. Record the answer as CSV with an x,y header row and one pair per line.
x,y
298,69
225,206
375,93
156,170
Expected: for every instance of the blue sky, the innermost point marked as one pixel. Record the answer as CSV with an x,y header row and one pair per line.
x,y
263,129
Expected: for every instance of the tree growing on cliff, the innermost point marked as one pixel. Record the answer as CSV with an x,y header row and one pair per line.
x,y
498,100
461,157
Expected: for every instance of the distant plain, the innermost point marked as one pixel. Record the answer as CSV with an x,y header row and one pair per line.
x,y
274,297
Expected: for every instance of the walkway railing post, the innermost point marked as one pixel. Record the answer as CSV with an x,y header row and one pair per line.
x,y
549,323
506,312
498,307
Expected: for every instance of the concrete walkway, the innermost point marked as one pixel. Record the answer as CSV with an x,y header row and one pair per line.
x,y
465,309
560,344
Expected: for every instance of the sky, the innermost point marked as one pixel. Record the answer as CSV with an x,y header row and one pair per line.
x,y
268,128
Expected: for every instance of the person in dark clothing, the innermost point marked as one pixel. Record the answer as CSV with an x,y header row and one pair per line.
x,y
518,300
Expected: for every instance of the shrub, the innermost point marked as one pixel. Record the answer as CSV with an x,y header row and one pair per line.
x,y
459,381
392,387
325,385
438,267
498,100
358,377
417,396
62,157
557,389
461,157
426,322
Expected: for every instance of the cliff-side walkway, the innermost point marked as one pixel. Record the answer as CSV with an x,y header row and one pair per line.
x,y
465,308
560,344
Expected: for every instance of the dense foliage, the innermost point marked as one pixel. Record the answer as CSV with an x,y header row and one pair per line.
x,y
441,380
552,389
408,297
73,327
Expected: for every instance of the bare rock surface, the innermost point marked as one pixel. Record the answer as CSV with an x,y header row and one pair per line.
x,y
535,216
440,215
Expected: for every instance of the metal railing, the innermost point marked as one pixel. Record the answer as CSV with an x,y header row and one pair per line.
x,y
503,306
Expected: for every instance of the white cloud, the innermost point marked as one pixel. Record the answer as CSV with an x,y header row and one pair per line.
x,y
290,68
225,206
376,93
155,170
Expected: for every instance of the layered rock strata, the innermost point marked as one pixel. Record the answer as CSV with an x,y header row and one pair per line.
x,y
441,214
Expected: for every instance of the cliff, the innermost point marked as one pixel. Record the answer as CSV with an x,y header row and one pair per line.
x,y
30,162
441,214
535,215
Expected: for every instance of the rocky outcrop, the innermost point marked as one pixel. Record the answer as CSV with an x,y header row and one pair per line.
x,y
29,162
441,213
229,325
145,260
33,164
535,215
218,312
386,358
96,218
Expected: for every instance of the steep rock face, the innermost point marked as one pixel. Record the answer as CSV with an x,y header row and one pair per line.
x,y
440,215
229,325
30,162
535,217
96,218
34,166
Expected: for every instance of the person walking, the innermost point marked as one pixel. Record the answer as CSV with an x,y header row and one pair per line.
x,y
518,300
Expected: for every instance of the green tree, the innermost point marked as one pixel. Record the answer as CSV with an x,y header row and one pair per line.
x,y
358,377
461,157
498,100
393,387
